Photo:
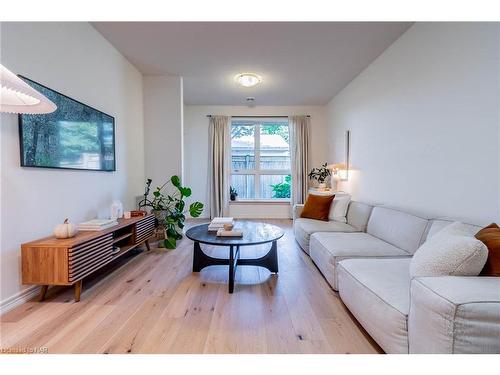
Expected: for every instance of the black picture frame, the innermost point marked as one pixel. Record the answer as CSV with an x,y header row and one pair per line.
x,y
21,143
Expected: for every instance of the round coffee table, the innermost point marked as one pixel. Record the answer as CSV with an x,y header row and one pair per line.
x,y
254,233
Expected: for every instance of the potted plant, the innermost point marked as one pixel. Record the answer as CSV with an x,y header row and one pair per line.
x,y
320,174
169,209
232,193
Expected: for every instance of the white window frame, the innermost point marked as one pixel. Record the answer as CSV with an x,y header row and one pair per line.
x,y
257,172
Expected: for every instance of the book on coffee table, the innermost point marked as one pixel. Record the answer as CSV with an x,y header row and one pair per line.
x,y
219,222
229,233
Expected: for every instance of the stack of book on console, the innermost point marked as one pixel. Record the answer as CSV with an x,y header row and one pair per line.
x,y
224,227
96,225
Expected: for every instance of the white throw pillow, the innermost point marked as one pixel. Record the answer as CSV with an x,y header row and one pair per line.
x,y
338,209
457,228
451,252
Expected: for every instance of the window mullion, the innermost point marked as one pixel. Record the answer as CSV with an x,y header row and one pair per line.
x,y
257,160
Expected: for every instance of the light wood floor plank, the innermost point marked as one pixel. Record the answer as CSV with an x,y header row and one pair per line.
x,y
151,302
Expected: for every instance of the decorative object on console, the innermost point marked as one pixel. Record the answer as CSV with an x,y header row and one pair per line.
x,y
320,175
65,230
317,207
450,252
96,225
16,96
127,215
116,210
170,209
490,236
232,193
136,213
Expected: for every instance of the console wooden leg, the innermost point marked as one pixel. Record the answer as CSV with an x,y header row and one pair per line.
x,y
147,245
78,290
43,291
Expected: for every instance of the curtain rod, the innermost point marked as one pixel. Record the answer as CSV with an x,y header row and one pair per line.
x,y
258,116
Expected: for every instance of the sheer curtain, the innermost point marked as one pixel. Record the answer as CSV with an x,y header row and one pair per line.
x,y
219,164
299,137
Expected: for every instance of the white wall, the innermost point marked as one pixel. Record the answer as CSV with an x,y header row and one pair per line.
x,y
196,149
75,59
163,123
424,121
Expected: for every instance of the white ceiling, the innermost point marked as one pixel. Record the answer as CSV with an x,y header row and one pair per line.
x,y
302,63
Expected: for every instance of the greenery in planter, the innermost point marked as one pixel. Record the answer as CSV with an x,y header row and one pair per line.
x,y
283,189
320,174
232,193
174,206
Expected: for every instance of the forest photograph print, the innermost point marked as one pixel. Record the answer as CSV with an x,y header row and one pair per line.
x,y
75,136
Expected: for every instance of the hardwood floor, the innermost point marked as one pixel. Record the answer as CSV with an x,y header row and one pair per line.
x,y
152,303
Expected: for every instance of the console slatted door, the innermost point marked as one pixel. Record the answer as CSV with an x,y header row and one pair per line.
x,y
89,256
144,229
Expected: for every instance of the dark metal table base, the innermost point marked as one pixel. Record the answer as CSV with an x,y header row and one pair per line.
x,y
202,260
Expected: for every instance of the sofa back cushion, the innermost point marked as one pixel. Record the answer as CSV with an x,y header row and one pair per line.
x,y
358,214
436,225
399,228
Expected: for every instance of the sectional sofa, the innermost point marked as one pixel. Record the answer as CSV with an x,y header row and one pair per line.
x,y
367,260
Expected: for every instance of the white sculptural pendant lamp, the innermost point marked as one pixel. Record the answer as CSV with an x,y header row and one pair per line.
x,y
16,96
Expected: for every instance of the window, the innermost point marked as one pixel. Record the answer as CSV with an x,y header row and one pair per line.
x,y
260,159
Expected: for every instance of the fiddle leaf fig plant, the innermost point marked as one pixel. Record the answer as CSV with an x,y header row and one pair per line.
x,y
174,207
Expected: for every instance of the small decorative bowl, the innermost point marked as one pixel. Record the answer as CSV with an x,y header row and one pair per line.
x,y
228,227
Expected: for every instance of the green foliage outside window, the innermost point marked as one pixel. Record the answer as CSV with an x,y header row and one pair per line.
x,y
283,189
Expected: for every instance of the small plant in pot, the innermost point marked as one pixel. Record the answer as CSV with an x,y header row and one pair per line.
x,y
320,174
232,193
170,209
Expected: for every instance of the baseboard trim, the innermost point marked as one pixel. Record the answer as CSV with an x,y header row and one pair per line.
x,y
18,299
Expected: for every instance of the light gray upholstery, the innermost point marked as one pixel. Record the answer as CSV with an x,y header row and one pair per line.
x,y
451,314
297,210
399,228
436,225
376,291
371,270
303,228
358,214
328,249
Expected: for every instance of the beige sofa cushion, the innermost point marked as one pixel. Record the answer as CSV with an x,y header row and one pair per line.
x,y
453,314
358,214
303,228
399,228
328,249
376,291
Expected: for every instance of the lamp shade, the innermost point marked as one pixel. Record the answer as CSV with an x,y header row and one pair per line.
x,y
16,96
336,167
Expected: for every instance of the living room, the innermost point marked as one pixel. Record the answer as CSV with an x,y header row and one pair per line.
x,y
250,187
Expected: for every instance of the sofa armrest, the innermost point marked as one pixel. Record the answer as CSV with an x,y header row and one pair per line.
x,y
452,314
297,210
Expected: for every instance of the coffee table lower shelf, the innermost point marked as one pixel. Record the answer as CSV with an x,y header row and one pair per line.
x,y
202,260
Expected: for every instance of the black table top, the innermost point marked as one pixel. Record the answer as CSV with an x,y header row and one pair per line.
x,y
254,233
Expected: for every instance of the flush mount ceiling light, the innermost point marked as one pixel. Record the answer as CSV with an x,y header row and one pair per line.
x,y
16,96
248,79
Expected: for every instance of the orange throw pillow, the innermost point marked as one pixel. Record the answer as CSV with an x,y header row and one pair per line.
x,y
490,236
317,207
